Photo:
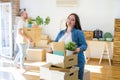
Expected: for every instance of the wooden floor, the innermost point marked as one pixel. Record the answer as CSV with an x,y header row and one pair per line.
x,y
103,71
98,72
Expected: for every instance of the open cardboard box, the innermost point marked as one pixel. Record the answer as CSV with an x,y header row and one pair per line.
x,y
62,61
47,72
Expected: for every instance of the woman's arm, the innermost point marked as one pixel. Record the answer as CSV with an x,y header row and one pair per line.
x,y
82,41
59,36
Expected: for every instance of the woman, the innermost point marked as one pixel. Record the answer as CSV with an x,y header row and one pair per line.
x,y
73,32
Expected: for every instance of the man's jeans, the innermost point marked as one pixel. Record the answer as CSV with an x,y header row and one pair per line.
x,y
20,55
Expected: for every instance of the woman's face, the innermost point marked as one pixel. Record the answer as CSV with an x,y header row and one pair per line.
x,y
71,21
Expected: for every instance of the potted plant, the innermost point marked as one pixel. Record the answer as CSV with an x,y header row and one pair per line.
x,y
70,47
108,36
47,20
41,22
30,22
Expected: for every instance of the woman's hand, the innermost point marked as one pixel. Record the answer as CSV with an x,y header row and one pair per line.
x,y
77,50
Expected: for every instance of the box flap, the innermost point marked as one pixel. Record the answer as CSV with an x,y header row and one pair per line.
x,y
58,46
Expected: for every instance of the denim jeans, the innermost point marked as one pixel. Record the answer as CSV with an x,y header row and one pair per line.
x,y
20,55
81,72
81,65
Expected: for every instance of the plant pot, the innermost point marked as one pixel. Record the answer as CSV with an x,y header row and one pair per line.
x,y
29,25
35,26
109,39
68,52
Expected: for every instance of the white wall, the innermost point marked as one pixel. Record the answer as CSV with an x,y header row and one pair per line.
x,y
93,14
117,9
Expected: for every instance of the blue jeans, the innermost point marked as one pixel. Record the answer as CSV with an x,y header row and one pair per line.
x,y
81,65
16,49
21,52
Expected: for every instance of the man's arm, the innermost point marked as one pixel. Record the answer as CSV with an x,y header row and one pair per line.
x,y
20,31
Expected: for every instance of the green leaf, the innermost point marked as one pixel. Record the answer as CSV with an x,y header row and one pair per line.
x,y
30,21
70,46
39,20
47,20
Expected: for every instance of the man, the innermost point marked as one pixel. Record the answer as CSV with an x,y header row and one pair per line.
x,y
19,40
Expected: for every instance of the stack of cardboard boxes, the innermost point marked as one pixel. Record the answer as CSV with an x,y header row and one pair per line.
x,y
116,49
59,67
38,39
37,49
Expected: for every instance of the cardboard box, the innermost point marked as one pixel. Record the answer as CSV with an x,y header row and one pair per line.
x,y
88,35
86,74
34,33
44,37
42,44
62,61
47,72
36,54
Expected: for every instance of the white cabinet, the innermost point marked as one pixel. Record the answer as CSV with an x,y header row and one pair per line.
x,y
96,48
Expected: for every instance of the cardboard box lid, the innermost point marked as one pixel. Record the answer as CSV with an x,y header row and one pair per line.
x,y
49,66
58,46
73,69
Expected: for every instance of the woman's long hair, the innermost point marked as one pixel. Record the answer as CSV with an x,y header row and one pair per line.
x,y
77,21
